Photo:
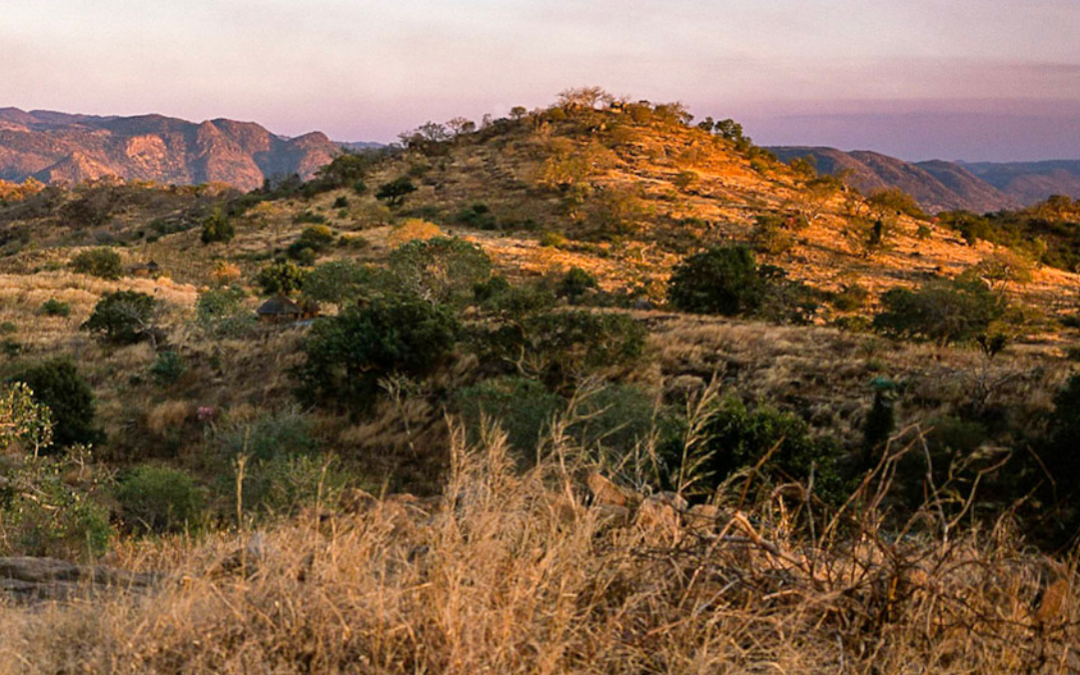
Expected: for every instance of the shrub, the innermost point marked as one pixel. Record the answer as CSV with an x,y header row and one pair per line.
x,y
309,217
342,202
394,192
771,235
575,283
160,499
167,368
524,409
412,230
58,385
339,282
478,216
851,297
217,227
221,311
124,317
24,421
284,485
740,437
349,353
722,280
440,269
98,262
280,277
269,436
317,237
941,311
54,307
552,240
224,273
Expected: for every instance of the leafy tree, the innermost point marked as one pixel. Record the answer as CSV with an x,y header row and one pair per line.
x,y
280,277
941,311
98,262
124,317
394,192
339,282
893,202
441,269
221,311
57,385
160,499
23,420
348,354
723,280
344,170
217,227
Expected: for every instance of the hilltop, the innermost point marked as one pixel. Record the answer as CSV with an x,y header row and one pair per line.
x,y
56,147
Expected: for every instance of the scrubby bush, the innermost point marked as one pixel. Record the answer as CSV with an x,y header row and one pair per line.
x,y
160,499
575,283
478,216
524,409
54,307
441,269
270,436
124,317
167,368
280,277
217,227
221,311
284,485
58,385
723,280
395,192
412,230
349,353
941,311
98,262
339,282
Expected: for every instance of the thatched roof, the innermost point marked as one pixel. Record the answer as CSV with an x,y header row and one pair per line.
x,y
279,305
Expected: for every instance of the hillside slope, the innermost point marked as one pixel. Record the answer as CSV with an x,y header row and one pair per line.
x,y
1031,182
54,147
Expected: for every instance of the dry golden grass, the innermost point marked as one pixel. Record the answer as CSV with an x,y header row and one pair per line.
x,y
513,573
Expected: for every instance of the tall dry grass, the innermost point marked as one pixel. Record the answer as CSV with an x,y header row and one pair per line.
x,y
519,573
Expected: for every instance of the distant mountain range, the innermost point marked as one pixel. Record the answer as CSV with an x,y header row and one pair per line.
x,y
940,185
57,147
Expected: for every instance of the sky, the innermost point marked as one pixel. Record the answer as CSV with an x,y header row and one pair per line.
x,y
977,80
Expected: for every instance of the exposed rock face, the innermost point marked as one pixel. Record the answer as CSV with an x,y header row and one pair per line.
x,y
937,185
55,147
30,579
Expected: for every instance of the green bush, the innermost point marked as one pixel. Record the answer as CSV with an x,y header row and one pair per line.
x,y
342,202
441,269
284,485
349,353
270,436
167,368
280,277
523,408
124,317
339,282
478,216
217,227
394,192
54,307
160,499
575,284
739,437
309,217
722,280
221,311
941,311
58,385
98,262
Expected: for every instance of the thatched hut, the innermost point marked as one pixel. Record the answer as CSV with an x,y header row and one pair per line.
x,y
279,309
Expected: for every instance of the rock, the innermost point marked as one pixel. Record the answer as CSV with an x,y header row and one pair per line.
x,y
604,492
33,579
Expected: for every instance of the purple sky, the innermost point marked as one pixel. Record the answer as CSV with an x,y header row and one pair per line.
x,y
951,79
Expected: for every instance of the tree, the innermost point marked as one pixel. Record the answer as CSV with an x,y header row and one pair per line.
x,y
23,420
459,126
125,317
57,385
348,354
280,277
722,280
584,97
99,262
339,282
217,227
394,192
441,269
941,311
892,202
344,170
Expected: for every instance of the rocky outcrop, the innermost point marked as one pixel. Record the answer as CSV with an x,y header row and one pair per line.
x,y
28,579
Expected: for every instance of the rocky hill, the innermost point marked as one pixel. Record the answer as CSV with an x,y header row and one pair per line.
x,y
1030,182
56,147
937,185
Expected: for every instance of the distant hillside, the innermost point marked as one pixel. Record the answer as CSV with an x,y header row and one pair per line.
x,y
1031,182
937,185
57,147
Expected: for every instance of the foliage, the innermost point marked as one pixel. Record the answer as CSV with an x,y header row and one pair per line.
x,y
124,317
941,311
723,280
98,262
411,230
772,234
54,307
280,277
478,216
57,385
441,269
339,282
160,499
892,202
269,436
217,227
395,192
349,353
221,311
523,407
283,485
23,420
167,368
575,284
742,438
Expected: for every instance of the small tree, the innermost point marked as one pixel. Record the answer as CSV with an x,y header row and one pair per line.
x,y
394,192
125,317
941,311
441,269
58,386
24,420
217,227
722,280
575,283
339,282
280,277
99,262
